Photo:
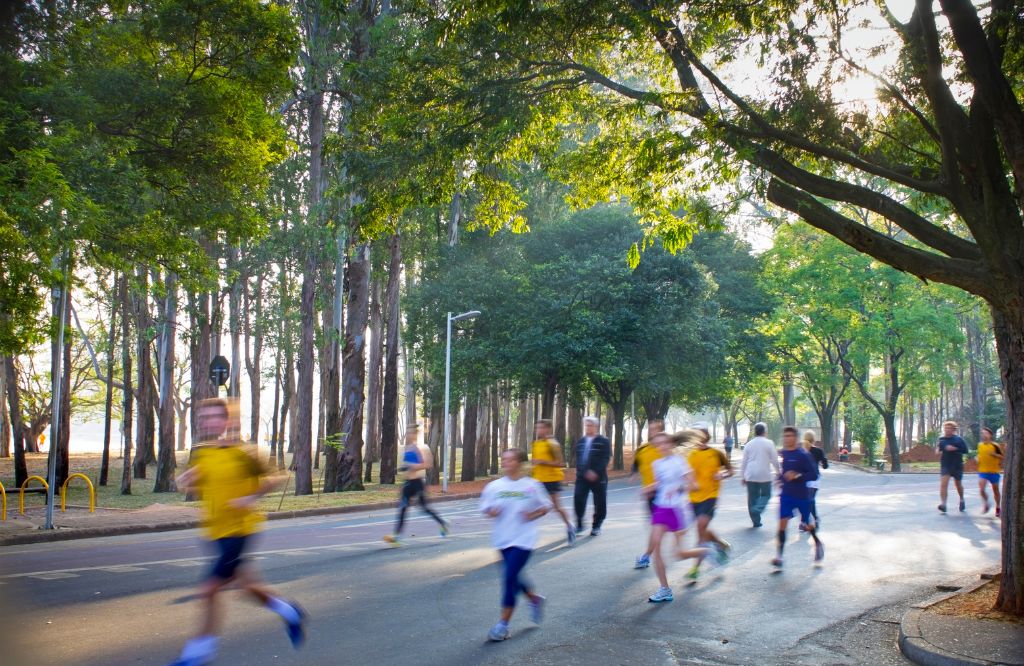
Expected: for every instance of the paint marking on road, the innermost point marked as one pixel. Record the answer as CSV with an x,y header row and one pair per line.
x,y
122,569
181,563
52,575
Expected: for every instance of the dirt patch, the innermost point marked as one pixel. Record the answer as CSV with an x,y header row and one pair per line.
x,y
920,453
979,604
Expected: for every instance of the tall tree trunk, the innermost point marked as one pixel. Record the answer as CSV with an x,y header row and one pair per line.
x,y
253,325
495,428
126,409
5,420
200,352
166,462
63,446
276,432
287,409
17,426
574,431
560,421
483,441
235,322
435,435
145,436
353,371
454,435
788,401
392,326
108,403
374,383
469,436
618,451
547,409
302,445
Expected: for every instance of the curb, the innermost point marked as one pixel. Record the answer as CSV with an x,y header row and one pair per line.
x,y
71,533
916,647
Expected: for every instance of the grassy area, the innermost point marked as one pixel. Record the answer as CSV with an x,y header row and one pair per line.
x,y
142,489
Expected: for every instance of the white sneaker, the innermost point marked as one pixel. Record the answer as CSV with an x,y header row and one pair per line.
x,y
498,632
662,595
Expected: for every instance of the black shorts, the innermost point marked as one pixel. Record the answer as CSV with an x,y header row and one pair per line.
x,y
705,508
229,557
650,505
553,487
955,471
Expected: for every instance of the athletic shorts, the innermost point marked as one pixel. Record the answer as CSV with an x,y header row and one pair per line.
x,y
650,506
553,487
672,517
955,471
705,508
229,557
789,505
992,477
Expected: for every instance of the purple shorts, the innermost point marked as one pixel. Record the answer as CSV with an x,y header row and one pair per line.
x,y
673,518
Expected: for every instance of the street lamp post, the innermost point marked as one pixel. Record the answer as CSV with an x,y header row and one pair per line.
x,y
447,393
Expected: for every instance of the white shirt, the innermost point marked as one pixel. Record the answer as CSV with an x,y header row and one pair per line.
x,y
759,460
514,499
670,476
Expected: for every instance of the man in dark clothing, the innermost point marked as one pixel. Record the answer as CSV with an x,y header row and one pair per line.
x,y
953,449
798,467
592,455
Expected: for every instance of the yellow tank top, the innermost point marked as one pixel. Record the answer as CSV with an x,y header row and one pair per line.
x,y
988,463
542,450
226,473
644,461
706,464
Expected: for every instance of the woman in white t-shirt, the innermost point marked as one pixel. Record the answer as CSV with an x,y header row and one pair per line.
x,y
673,480
515,501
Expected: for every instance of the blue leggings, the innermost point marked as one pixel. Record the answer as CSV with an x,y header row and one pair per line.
x,y
515,560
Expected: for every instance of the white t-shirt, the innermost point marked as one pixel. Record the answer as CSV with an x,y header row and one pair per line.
x,y
760,461
514,499
669,475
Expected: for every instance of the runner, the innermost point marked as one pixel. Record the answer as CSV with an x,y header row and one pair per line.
x,y
953,449
673,478
709,467
798,467
416,460
643,464
549,469
515,501
728,442
811,445
990,464
759,467
230,481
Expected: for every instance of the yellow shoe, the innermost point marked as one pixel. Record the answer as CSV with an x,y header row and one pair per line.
x,y
393,540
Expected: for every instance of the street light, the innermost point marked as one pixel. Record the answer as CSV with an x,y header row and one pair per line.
x,y
447,391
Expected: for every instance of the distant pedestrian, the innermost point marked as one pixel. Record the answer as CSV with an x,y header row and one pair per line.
x,y
710,466
515,501
953,449
990,464
759,469
593,452
643,464
728,442
811,445
416,460
549,469
673,479
798,467
230,480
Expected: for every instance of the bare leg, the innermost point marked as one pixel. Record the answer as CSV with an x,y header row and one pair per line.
x,y
943,489
559,510
995,494
211,609
657,533
984,496
693,553
959,488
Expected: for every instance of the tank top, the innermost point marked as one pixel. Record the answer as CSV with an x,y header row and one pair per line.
x,y
542,451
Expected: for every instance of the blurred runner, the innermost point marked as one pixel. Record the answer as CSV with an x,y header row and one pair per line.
x,y
643,464
990,464
798,467
953,449
710,466
811,445
549,469
416,460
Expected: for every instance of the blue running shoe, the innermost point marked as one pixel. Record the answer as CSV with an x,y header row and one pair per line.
x,y
642,562
537,609
498,632
297,630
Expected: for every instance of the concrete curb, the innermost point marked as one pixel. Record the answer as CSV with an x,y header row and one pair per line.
x,y
71,533
916,647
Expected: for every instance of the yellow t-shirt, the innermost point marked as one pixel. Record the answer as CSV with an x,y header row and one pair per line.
x,y
987,461
706,463
226,473
543,449
643,461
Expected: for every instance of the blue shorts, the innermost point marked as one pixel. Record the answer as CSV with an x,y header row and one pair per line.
x,y
990,476
787,505
229,557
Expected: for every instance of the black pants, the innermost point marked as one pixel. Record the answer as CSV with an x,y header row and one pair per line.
x,y
412,489
584,488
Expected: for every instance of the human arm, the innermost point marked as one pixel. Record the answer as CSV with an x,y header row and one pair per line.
x,y
541,502
774,459
488,507
556,454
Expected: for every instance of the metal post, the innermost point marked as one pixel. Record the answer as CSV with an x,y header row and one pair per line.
x,y
447,418
51,463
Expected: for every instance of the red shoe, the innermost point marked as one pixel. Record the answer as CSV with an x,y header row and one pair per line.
x,y
997,512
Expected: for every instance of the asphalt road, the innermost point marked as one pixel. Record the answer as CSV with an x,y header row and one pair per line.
x,y
127,600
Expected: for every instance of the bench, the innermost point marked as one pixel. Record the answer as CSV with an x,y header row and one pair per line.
x,y
880,465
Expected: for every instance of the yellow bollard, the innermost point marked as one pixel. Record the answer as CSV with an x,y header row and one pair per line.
x,y
3,495
21,498
64,492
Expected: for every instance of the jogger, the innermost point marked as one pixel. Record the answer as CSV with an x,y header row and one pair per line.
x,y
953,449
643,464
990,464
416,460
798,467
549,469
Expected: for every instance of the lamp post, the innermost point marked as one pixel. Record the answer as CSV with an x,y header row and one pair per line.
x,y
447,393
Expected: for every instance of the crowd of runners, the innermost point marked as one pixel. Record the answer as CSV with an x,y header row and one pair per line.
x,y
680,479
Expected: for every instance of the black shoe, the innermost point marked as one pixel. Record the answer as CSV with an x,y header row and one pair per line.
x,y
942,508
963,506
595,532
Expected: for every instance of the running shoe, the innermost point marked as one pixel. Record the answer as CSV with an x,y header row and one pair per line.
x,y
537,609
985,507
803,527
498,632
721,553
446,528
942,508
662,595
777,562
642,562
998,512
579,529
819,551
963,506
297,630
393,540
193,661
595,532
570,535
694,573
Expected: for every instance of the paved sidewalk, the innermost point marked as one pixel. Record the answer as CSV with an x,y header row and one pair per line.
x,y
932,639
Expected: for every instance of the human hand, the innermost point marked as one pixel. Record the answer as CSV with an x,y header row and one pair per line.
x,y
243,503
590,475
950,447
791,475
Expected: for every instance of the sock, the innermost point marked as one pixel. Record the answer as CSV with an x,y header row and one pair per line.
x,y
503,623
200,646
782,541
284,609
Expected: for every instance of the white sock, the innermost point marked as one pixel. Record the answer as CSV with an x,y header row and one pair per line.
x,y
284,609
201,646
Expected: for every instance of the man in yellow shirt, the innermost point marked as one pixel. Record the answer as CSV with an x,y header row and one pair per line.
x,y
709,466
643,464
990,464
549,469
230,482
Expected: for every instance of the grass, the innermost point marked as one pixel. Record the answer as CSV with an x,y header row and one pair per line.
x,y
142,496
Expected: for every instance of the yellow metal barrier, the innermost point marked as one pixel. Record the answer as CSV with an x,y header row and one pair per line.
x,y
64,492
21,497
3,495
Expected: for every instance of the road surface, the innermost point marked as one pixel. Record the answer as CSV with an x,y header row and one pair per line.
x,y
127,600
